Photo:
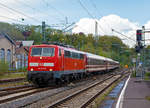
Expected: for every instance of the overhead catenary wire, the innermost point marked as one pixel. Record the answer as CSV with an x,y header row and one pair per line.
x,y
123,35
21,13
16,19
94,5
11,18
66,24
51,6
36,9
90,14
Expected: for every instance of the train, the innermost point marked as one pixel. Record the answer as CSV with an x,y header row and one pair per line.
x,y
56,63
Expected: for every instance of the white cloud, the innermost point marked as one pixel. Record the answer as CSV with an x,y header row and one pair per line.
x,y
147,35
106,24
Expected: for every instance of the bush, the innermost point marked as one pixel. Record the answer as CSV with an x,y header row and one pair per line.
x,y
147,76
24,69
3,67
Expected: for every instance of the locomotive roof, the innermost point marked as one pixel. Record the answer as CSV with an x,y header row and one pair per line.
x,y
74,50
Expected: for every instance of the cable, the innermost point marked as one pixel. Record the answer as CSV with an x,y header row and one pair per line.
x,y
35,9
108,23
86,9
9,11
11,19
53,8
123,35
20,12
90,14
94,5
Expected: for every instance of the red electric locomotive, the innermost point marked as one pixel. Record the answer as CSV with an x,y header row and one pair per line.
x,y
54,63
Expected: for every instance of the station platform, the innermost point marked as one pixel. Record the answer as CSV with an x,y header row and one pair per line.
x,y
135,94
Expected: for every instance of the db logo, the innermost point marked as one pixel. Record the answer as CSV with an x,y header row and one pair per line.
x,y
41,64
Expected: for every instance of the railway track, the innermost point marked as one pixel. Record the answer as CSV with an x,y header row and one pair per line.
x,y
13,94
60,99
12,90
4,81
81,98
18,93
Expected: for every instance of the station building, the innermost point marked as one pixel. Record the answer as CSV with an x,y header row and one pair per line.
x,y
15,53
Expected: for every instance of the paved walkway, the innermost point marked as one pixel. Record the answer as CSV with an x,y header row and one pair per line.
x,y
136,94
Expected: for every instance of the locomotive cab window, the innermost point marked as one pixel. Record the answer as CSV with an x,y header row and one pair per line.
x,y
36,52
48,52
42,52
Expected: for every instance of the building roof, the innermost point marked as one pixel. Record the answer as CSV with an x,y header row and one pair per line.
x,y
2,35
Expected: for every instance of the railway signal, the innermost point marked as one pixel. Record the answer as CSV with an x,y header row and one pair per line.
x,y
139,35
139,41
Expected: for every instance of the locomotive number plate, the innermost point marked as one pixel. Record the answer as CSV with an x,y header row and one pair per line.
x,y
41,64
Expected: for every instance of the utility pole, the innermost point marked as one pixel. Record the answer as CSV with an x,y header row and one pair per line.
x,y
66,21
96,36
143,34
43,31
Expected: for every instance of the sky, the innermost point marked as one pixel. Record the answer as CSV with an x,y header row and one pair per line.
x,y
125,16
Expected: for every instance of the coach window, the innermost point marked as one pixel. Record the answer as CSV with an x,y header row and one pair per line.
x,y
81,56
73,55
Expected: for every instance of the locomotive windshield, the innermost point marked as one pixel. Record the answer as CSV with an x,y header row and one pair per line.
x,y
42,52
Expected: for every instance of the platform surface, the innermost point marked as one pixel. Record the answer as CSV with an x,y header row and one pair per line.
x,y
137,94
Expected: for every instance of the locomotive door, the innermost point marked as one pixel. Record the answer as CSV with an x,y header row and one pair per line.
x,y
61,59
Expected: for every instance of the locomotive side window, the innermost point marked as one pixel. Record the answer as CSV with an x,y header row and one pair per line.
x,y
42,52
59,52
75,55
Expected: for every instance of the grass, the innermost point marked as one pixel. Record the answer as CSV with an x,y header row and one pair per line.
x,y
14,84
133,74
147,76
3,67
147,98
13,75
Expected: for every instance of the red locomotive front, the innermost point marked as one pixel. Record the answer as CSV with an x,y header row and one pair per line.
x,y
52,62
42,62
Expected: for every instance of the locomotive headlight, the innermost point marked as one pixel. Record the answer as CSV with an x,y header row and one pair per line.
x,y
31,69
50,69
40,57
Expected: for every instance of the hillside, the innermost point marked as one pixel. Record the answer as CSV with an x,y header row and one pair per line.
x,y
11,31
